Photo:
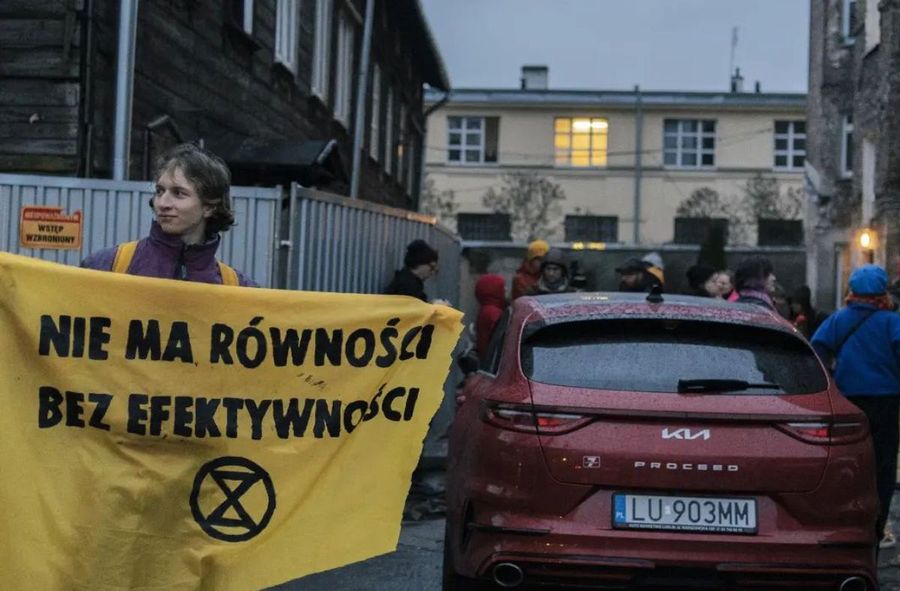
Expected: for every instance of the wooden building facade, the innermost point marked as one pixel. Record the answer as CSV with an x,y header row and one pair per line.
x,y
270,85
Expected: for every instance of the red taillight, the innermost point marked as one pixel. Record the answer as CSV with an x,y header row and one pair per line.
x,y
526,420
836,433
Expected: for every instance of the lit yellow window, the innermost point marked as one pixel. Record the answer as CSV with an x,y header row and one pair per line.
x,y
580,141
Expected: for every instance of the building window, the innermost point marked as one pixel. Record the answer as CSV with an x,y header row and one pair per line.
x,y
580,141
872,25
472,140
847,147
869,158
286,34
698,230
483,226
689,143
779,232
240,14
375,117
790,144
592,228
411,165
343,84
848,21
401,144
322,49
389,132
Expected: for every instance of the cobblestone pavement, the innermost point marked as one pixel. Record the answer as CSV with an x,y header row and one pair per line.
x,y
416,565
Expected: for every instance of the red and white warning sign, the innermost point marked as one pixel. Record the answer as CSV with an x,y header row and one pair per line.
x,y
49,227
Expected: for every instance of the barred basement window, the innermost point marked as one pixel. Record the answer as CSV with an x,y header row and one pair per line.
x,y
698,230
483,226
779,232
592,228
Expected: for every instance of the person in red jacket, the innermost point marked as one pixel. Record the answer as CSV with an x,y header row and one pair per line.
x,y
529,271
490,291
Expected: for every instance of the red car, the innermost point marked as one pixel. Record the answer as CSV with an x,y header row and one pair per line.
x,y
627,441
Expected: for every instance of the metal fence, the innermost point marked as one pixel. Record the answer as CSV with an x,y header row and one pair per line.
x,y
117,211
328,242
348,245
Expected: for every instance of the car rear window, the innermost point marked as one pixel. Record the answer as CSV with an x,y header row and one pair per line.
x,y
653,355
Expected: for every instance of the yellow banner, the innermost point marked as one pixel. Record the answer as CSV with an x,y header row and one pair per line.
x,y
159,434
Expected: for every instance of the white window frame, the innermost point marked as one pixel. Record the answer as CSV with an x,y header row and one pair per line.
x,y
375,117
792,151
343,83
872,25
699,135
322,50
464,132
846,140
601,123
247,24
848,8
286,35
389,131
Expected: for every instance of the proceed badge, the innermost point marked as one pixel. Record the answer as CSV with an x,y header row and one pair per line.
x,y
49,227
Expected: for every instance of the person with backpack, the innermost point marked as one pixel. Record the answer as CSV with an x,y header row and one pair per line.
x,y
192,206
862,340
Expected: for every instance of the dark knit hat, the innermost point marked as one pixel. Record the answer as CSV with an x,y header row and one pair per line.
x,y
418,252
555,257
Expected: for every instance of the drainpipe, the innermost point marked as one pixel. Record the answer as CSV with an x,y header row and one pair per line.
x,y
128,11
361,98
86,108
424,151
638,148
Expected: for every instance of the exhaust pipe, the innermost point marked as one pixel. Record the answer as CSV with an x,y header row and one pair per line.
x,y
854,584
509,575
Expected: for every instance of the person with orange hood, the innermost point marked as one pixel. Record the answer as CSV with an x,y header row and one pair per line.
x,y
490,291
529,272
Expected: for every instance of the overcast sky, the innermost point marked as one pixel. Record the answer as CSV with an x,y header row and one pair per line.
x,y
615,44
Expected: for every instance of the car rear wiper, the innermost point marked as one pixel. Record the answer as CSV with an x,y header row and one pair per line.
x,y
722,385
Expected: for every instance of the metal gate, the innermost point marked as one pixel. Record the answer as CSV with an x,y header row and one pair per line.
x,y
118,211
347,245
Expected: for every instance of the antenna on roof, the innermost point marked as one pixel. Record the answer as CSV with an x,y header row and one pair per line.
x,y
734,42
655,295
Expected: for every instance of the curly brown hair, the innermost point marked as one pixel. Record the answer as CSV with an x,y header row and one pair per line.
x,y
211,178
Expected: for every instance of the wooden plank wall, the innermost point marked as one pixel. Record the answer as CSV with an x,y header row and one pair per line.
x,y
39,86
190,66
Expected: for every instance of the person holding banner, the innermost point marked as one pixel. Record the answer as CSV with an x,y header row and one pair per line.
x,y
192,206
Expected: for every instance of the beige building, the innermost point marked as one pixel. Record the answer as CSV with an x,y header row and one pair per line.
x,y
620,156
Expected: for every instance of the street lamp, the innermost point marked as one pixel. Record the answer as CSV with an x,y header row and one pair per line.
x,y
866,241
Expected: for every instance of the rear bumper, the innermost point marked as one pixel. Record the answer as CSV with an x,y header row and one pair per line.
x,y
621,560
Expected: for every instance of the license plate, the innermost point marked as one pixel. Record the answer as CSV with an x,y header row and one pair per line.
x,y
678,513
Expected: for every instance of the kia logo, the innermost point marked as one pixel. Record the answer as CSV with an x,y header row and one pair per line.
x,y
685,434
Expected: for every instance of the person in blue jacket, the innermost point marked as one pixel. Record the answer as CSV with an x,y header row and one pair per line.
x,y
863,341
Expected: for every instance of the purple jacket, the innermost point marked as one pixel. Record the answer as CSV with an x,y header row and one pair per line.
x,y
166,256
